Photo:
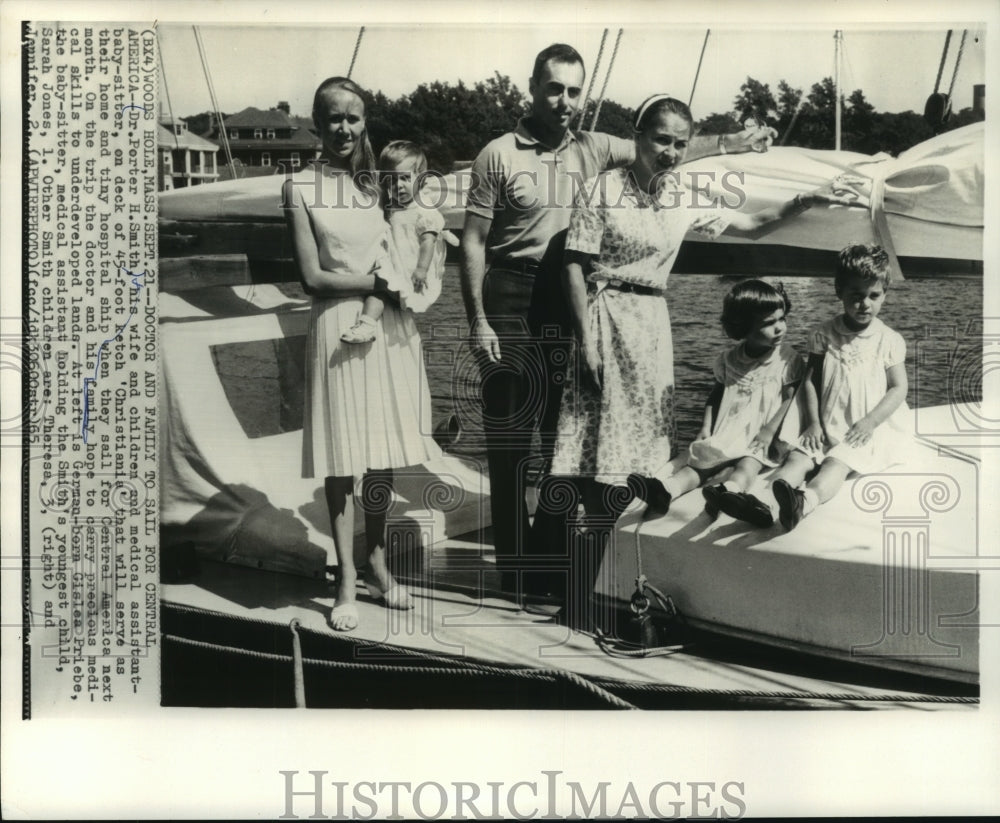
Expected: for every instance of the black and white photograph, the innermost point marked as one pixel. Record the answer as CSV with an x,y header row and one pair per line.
x,y
400,395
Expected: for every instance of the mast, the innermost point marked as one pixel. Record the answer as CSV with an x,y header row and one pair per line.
x,y
697,71
837,36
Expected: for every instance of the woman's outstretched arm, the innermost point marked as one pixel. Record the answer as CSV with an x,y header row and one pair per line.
x,y
753,138
748,223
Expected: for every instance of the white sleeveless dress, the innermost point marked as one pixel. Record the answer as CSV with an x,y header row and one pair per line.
x,y
366,406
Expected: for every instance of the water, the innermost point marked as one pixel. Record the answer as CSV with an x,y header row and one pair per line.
x,y
940,319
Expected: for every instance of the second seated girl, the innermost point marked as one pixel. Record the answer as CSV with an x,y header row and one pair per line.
x,y
858,365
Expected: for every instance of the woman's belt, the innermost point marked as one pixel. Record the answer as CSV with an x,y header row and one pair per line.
x,y
624,286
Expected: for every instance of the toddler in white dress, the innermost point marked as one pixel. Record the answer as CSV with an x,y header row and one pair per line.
x,y
417,236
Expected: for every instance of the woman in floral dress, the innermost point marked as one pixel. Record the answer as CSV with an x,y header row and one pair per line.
x,y
617,413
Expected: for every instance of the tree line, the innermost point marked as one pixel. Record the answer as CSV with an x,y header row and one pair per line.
x,y
454,121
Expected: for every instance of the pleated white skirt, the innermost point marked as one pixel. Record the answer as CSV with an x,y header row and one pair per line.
x,y
367,406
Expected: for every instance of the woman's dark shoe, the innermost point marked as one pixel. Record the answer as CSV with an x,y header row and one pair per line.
x,y
652,492
791,503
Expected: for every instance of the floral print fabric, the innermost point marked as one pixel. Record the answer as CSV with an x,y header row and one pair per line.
x,y
634,238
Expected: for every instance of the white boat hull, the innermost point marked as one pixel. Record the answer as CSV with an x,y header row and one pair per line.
x,y
884,574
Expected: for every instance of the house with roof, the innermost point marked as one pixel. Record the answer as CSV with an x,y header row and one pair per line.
x,y
185,159
269,138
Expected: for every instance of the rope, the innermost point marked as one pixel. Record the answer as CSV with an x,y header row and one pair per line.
x,y
881,228
616,647
638,551
593,77
374,644
457,668
791,124
354,57
944,56
166,89
215,105
215,647
631,686
602,687
697,71
300,682
604,88
958,61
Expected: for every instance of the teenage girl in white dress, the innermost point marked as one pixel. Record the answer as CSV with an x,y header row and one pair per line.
x,y
366,405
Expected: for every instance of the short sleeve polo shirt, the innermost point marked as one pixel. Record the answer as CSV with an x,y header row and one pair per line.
x,y
527,188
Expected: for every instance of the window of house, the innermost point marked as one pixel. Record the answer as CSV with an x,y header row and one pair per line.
x,y
234,134
257,134
265,158
270,134
296,162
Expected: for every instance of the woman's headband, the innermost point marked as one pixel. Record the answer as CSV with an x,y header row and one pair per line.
x,y
649,101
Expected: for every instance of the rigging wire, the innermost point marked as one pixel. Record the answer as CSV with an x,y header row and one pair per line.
x,y
166,88
793,121
215,104
848,69
697,71
593,76
354,57
604,87
958,61
944,56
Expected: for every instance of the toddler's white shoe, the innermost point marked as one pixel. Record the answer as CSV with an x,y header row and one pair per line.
x,y
363,331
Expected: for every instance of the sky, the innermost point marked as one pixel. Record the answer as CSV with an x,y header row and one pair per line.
x,y
261,64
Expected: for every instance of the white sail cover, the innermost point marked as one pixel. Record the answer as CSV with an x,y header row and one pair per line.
x,y
932,195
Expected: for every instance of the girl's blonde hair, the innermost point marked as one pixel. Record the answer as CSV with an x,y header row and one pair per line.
x,y
362,159
395,153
